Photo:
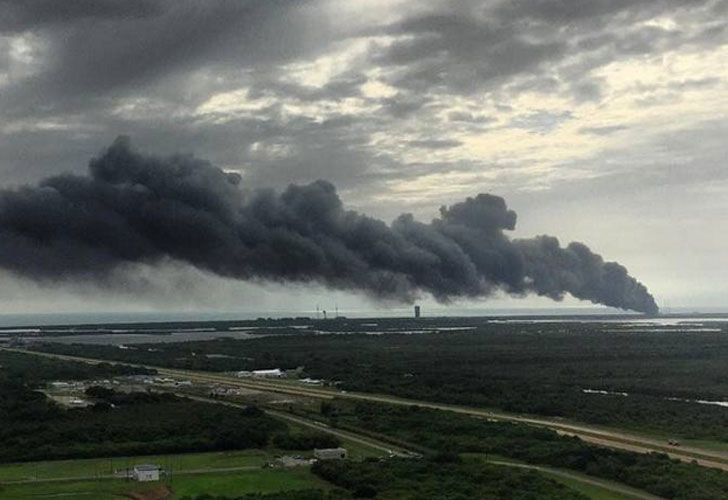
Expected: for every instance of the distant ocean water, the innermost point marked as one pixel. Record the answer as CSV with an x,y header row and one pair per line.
x,y
44,319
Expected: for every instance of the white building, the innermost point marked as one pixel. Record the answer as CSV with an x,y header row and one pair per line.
x,y
330,453
145,472
273,373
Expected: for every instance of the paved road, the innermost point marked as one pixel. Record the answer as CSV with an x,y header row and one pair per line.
x,y
610,486
319,426
366,441
611,439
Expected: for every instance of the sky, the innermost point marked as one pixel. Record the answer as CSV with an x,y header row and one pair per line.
x,y
602,122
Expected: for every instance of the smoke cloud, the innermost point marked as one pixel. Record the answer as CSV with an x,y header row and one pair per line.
x,y
133,208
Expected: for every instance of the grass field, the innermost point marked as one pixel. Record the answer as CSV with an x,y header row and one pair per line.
x,y
107,466
592,491
96,490
261,481
99,467
228,483
89,478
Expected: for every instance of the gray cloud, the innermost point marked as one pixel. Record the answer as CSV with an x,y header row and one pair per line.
x,y
74,75
434,143
173,55
603,130
461,54
467,117
94,54
20,15
540,121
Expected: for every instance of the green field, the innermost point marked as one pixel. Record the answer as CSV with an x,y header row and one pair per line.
x,y
96,490
229,483
55,469
100,467
259,481
592,491
192,474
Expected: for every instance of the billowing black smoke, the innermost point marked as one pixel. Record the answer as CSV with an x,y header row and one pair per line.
x,y
132,208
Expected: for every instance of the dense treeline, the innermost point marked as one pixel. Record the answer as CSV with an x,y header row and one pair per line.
x,y
137,424
539,368
438,480
21,373
453,433
32,370
35,428
305,441
284,495
422,480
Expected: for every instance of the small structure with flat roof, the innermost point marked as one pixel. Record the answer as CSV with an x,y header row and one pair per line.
x,y
146,472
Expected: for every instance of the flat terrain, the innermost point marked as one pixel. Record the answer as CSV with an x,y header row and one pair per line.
x,y
620,440
66,469
218,483
659,376
635,387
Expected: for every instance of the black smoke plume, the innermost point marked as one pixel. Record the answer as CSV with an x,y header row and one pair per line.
x,y
138,209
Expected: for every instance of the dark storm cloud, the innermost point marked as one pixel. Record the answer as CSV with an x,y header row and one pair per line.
x,y
460,53
158,61
594,12
132,208
106,47
550,46
19,15
111,50
166,57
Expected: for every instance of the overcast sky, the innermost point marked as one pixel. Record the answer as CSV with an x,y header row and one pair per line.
x,y
602,121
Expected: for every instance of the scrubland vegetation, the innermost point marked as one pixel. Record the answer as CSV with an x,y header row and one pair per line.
x,y
539,368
